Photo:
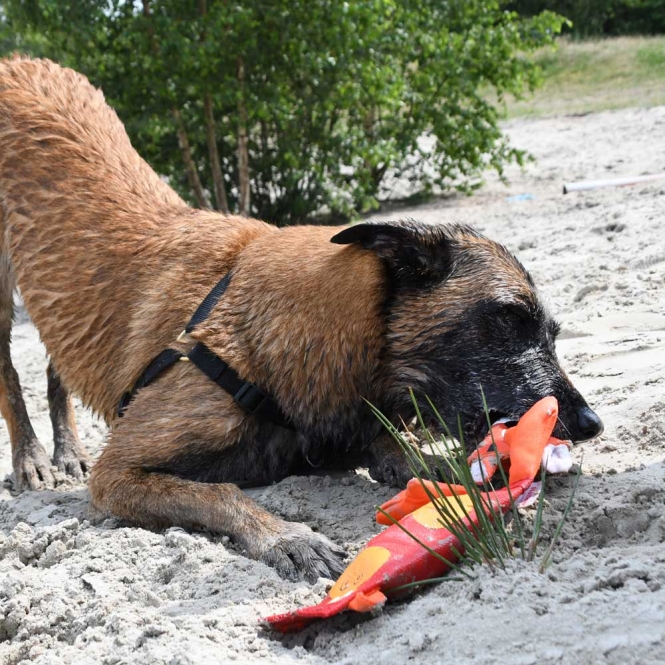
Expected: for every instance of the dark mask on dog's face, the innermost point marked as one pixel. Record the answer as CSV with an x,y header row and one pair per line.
x,y
463,314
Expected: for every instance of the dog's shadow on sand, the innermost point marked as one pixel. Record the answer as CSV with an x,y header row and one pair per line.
x,y
341,505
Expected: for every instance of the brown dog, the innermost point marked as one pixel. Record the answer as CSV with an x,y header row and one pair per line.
x,y
111,264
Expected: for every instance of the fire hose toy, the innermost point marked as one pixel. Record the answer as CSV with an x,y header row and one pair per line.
x,y
420,547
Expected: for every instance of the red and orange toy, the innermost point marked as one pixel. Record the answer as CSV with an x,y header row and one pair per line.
x,y
393,558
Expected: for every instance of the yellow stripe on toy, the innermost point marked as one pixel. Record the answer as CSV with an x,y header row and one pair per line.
x,y
360,569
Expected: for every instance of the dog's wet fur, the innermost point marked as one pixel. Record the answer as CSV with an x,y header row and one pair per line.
x,y
111,263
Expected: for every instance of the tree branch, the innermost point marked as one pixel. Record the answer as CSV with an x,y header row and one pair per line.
x,y
243,154
215,164
181,132
190,166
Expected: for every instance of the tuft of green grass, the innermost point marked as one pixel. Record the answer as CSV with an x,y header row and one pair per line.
x,y
595,75
497,537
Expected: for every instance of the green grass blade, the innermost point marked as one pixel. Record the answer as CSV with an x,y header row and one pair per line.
x,y
450,564
491,526
548,553
538,520
513,507
431,580
487,539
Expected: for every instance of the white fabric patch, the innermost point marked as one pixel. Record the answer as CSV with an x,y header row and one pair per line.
x,y
557,459
477,473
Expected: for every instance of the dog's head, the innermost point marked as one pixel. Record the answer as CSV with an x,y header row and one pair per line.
x,y
463,315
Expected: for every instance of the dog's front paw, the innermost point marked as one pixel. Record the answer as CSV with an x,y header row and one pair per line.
x,y
395,471
296,552
391,470
32,467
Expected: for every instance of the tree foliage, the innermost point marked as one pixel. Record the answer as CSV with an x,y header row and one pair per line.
x,y
313,102
602,17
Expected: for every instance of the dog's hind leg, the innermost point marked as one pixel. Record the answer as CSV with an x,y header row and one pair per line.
x,y
32,466
69,455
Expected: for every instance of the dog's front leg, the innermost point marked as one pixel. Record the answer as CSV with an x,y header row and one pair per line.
x,y
157,500
143,476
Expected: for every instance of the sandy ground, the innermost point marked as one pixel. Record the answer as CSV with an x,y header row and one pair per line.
x,y
76,592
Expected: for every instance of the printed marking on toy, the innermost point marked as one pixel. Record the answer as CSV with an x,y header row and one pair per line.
x,y
360,569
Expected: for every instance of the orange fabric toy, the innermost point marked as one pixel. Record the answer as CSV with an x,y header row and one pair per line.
x,y
494,450
393,559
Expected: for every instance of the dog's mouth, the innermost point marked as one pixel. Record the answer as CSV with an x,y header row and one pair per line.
x,y
475,427
479,426
501,417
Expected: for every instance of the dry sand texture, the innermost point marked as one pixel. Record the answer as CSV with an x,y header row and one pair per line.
x,y
73,592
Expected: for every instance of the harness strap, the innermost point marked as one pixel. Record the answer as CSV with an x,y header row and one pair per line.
x,y
251,398
248,396
158,364
203,310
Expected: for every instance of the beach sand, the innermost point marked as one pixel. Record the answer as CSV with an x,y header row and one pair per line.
x,y
73,590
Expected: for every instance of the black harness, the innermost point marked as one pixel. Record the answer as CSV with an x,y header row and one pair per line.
x,y
248,396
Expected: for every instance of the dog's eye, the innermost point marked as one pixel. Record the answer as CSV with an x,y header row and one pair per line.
x,y
515,314
515,322
509,321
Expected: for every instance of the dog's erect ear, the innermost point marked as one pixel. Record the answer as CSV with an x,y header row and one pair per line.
x,y
411,249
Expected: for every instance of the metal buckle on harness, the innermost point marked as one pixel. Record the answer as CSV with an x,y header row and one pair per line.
x,y
249,397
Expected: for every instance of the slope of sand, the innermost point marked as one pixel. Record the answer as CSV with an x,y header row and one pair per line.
x,y
74,592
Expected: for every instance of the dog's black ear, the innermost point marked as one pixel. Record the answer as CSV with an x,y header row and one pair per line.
x,y
411,249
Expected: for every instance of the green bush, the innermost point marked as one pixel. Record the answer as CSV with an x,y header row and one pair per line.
x,y
315,102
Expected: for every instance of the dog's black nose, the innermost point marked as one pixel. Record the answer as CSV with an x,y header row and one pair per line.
x,y
589,424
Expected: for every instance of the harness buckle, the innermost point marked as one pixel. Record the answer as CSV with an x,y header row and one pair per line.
x,y
249,397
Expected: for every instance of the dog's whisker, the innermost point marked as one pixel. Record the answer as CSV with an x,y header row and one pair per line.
x,y
563,425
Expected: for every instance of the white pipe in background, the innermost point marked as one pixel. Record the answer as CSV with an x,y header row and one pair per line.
x,y
615,182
